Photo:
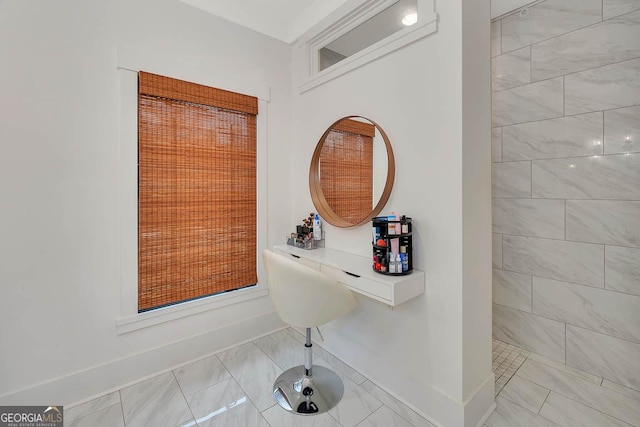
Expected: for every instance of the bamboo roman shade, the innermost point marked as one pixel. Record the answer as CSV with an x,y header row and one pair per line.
x,y
197,191
346,169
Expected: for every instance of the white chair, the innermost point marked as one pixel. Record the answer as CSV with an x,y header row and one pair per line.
x,y
305,298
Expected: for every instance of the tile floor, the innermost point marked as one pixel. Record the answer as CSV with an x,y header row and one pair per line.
x,y
506,361
546,393
233,388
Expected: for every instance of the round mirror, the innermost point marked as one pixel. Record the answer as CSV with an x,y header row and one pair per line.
x,y
352,172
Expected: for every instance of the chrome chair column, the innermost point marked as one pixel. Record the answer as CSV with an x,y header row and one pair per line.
x,y
308,389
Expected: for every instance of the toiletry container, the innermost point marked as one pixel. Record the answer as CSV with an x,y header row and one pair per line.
x,y
392,242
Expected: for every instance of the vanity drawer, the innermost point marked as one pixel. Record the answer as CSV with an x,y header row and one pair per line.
x,y
377,290
307,262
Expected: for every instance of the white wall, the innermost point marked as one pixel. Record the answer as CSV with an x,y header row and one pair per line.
x,y
416,95
59,186
476,205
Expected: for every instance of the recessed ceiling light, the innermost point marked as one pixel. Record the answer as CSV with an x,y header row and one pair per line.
x,y
410,19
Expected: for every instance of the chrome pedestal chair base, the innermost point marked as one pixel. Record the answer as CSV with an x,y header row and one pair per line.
x,y
305,395
308,389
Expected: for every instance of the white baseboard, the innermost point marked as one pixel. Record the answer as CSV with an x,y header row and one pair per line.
x,y
110,376
432,404
479,407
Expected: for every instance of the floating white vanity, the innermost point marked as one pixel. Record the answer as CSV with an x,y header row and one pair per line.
x,y
355,272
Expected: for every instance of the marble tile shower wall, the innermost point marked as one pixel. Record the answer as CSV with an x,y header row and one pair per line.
x,y
566,184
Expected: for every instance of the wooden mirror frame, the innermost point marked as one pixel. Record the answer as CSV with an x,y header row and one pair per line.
x,y
317,196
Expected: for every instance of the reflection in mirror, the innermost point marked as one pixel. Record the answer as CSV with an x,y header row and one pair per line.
x,y
389,21
346,169
351,172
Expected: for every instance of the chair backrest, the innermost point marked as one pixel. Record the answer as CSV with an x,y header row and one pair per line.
x,y
303,296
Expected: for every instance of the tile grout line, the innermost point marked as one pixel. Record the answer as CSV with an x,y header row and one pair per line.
x,y
530,64
501,50
531,286
573,200
508,371
567,397
122,408
553,37
568,32
569,74
591,407
531,179
612,336
501,251
565,325
561,280
545,401
632,58
604,268
564,98
536,82
185,397
395,412
568,241
238,382
586,156
337,421
567,115
501,144
365,418
603,133
564,114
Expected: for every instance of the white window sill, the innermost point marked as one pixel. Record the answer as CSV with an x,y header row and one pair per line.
x,y
166,314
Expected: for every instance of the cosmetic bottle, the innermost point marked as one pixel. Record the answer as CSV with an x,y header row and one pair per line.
x,y
393,266
317,228
404,259
375,234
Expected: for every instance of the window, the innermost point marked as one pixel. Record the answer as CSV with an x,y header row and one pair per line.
x,y
354,35
346,169
197,191
378,27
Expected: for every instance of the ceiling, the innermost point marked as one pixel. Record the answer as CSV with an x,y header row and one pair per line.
x,y
287,20
284,20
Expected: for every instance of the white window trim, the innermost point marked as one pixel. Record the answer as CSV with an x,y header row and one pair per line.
x,y
129,319
344,20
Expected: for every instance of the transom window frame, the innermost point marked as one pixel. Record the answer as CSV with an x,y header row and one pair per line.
x,y
346,18
130,319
